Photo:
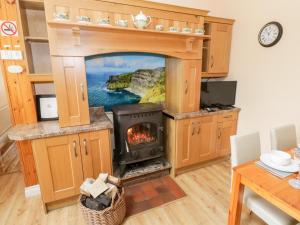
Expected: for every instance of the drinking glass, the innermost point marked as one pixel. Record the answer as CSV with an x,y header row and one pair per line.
x,y
295,183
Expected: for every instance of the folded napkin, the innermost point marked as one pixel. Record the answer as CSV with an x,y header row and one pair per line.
x,y
277,173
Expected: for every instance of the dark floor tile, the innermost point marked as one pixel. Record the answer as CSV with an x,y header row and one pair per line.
x,y
156,201
161,189
138,196
150,194
149,191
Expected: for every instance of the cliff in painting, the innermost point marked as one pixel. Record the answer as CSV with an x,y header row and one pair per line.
x,y
130,78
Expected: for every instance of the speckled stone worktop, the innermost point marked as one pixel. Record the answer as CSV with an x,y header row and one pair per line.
x,y
99,121
181,116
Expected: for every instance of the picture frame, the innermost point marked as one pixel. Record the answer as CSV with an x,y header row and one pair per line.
x,y
46,107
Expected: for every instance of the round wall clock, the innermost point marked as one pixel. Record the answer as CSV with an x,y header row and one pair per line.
x,y
270,34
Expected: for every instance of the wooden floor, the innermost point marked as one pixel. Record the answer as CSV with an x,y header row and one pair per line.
x,y
9,159
206,203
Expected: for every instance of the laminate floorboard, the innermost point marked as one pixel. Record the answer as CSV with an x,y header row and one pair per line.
x,y
206,203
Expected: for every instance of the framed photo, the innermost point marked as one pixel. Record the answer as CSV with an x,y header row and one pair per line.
x,y
46,107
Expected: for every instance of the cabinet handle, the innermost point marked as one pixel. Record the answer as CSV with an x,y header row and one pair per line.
x,y
186,87
82,91
85,147
227,117
212,61
193,132
75,148
199,128
220,134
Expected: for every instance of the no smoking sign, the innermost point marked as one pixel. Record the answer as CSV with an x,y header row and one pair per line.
x,y
8,28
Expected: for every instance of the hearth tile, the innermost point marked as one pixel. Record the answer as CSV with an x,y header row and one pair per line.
x,y
167,197
174,187
150,194
157,182
156,201
139,207
161,189
149,190
138,196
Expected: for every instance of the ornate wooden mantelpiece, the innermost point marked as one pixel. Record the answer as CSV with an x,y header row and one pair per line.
x,y
70,38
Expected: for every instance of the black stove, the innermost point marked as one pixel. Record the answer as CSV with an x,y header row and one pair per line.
x,y
138,130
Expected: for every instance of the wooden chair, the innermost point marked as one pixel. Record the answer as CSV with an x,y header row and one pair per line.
x,y
284,137
247,148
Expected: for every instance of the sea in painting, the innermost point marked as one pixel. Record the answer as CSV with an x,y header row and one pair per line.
x,y
125,78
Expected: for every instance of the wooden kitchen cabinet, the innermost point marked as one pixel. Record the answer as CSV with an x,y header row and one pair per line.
x,y
59,167
216,51
71,90
207,137
183,85
62,163
95,153
227,126
196,140
187,143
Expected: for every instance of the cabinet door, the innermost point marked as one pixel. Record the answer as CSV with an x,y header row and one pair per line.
x,y
71,90
96,153
219,48
206,132
58,165
225,130
190,98
187,140
183,85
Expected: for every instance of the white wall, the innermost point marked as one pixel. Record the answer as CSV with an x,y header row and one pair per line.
x,y
268,78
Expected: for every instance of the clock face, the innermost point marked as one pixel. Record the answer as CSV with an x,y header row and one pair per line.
x,y
270,34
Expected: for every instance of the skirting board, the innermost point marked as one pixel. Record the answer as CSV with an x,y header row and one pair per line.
x,y
32,191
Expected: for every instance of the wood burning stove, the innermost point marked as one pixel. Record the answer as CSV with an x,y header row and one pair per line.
x,y
138,133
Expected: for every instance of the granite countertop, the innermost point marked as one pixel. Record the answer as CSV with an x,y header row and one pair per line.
x,y
99,121
181,116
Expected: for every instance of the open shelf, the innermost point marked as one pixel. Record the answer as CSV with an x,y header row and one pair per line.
x,y
32,4
35,36
40,78
36,39
95,27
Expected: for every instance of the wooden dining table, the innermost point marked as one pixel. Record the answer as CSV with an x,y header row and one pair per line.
x,y
273,189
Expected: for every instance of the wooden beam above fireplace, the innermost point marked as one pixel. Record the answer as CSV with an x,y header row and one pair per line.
x,y
75,39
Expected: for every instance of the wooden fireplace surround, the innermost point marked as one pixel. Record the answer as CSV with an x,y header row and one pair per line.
x,y
70,42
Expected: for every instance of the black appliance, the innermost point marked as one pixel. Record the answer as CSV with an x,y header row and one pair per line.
x,y
220,94
138,130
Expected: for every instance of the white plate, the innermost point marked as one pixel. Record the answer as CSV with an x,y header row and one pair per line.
x,y
267,159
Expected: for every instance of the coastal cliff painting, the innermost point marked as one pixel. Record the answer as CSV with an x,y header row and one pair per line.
x,y
125,78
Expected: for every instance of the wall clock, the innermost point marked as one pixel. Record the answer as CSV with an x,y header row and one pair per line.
x,y
270,34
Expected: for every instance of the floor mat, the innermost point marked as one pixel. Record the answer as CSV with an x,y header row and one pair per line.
x,y
151,194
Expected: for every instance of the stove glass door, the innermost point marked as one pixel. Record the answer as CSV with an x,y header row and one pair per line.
x,y
142,133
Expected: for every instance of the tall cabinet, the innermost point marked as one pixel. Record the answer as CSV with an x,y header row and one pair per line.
x,y
183,85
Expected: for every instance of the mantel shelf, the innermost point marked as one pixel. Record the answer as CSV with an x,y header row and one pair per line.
x,y
94,27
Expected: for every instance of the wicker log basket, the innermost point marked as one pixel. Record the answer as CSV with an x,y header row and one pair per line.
x,y
113,215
